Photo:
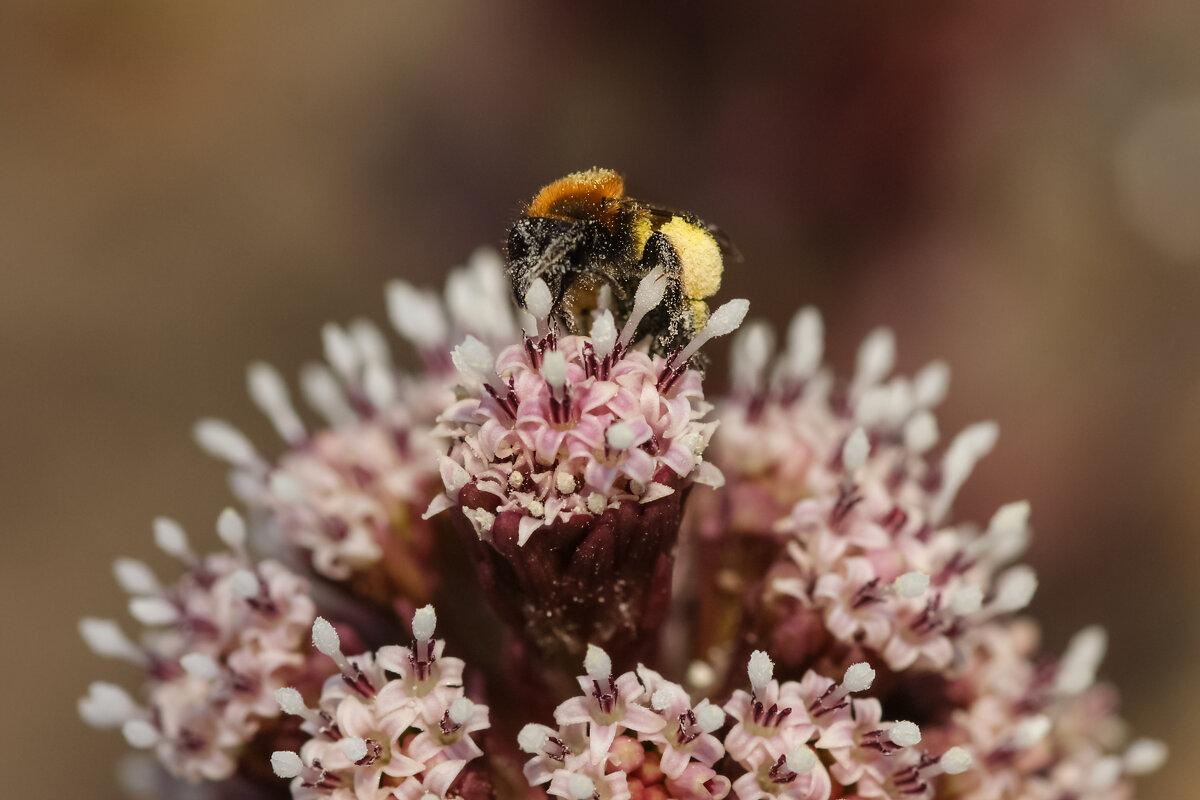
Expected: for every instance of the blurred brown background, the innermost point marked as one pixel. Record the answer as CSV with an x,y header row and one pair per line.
x,y
185,187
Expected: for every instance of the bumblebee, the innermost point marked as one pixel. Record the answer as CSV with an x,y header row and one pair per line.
x,y
592,245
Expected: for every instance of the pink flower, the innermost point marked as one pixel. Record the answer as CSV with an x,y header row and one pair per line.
x,y
608,705
564,448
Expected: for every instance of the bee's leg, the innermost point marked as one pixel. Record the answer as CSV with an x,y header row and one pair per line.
x,y
671,324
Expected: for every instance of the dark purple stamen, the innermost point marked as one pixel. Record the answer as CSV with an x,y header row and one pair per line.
x,y
771,717
357,681
560,410
848,498
818,707
421,659
894,520
606,700
688,730
908,780
188,741
508,403
929,619
447,725
866,594
262,602
335,528
780,773
317,778
670,373
562,752
328,727
243,684
879,741
374,751
958,564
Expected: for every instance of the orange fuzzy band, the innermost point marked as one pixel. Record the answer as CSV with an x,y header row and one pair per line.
x,y
580,195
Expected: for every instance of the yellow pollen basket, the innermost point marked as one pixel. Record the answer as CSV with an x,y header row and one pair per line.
x,y
700,259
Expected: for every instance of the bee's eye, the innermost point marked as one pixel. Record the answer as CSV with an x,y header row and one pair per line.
x,y
518,242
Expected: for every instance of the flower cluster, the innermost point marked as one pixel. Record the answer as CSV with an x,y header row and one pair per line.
x,y
569,456
390,724
866,564
634,735
781,728
553,472
351,495
217,644
556,427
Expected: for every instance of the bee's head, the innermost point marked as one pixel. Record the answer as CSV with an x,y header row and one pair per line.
x,y
551,249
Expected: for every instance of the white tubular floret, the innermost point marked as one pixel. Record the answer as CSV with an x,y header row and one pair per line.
x,y
554,369
597,664
106,639
245,584
966,600
354,748
751,352
858,677
1031,730
649,294
416,315
533,738
322,391
955,761
291,701
460,710
269,392
341,352
106,705
921,432
199,665
911,584
135,577
1015,589
538,300
975,442
325,638
604,334
231,529
1078,666
153,611
221,440
286,764
1144,756
1008,532
140,734
709,717
876,357
724,320
581,787
904,733
473,359
424,622
761,670
931,384
619,435
171,539
801,760
805,343
855,451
